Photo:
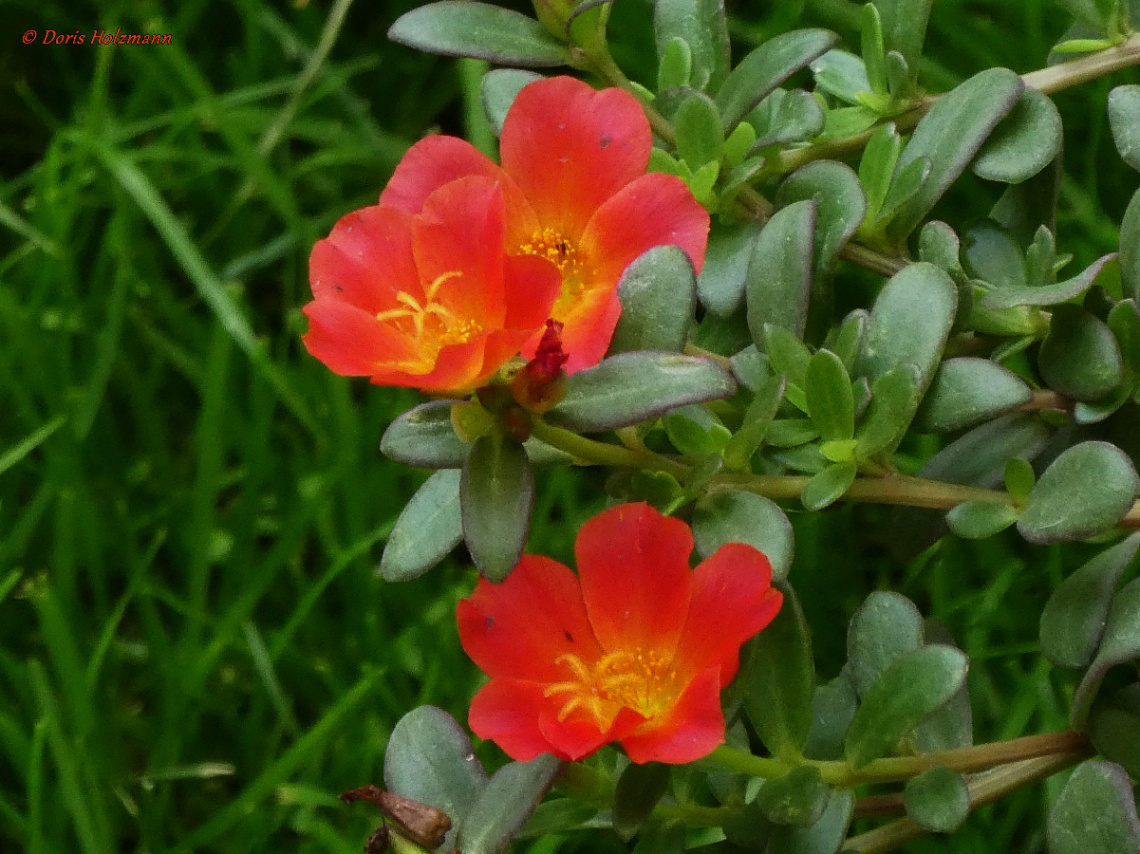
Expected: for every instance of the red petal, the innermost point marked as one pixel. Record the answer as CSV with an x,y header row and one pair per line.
x,y
507,711
458,369
579,737
428,165
531,286
569,147
655,210
461,231
518,628
691,730
587,329
634,566
351,342
365,260
732,600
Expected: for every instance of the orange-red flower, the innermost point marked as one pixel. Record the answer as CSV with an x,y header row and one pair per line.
x,y
576,193
426,299
635,648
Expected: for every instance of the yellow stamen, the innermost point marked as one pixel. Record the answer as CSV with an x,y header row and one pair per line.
x,y
434,326
641,681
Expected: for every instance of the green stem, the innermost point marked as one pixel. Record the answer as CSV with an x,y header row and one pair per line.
x,y
603,453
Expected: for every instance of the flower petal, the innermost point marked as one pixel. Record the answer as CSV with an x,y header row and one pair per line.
x,y
691,729
507,711
578,737
351,342
654,210
518,628
588,328
732,600
430,164
569,147
634,566
458,368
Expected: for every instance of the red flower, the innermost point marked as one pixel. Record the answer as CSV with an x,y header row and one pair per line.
x,y
576,193
426,299
636,648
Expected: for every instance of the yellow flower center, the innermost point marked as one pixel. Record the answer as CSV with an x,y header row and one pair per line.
x,y
562,252
632,679
433,325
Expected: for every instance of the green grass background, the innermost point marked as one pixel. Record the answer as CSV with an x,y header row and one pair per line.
x,y
195,651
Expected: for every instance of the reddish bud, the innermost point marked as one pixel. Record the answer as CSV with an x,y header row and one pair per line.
x,y
542,383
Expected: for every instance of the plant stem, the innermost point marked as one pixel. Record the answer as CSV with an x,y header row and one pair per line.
x,y
603,453
984,789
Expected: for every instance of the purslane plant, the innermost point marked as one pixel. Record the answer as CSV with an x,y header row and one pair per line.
x,y
732,392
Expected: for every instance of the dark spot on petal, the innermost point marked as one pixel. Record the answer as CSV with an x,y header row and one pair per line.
x,y
605,140
489,621
338,288
569,636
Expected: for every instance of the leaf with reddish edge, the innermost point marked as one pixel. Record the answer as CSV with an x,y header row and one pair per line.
x,y
481,31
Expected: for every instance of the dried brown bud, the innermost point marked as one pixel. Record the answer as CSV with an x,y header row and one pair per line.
x,y
424,825
377,843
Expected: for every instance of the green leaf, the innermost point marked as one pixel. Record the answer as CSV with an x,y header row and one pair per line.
x,y
840,206
1095,813
747,440
1119,644
632,387
1024,143
938,244
733,516
823,837
874,50
1079,357
909,690
1088,489
952,726
556,817
498,91
830,401
994,256
1130,248
462,28
1019,480
790,432
496,493
799,797
906,184
691,430
700,137
702,24
833,708
429,759
886,627
661,837
794,116
427,529
904,27
843,75
1010,296
638,790
966,391
779,272
849,338
658,293
503,806
978,458
977,520
721,283
1113,724
950,135
1073,620
937,800
424,437
910,322
894,400
779,680
1124,321
765,68
877,166
827,487
1124,116
676,66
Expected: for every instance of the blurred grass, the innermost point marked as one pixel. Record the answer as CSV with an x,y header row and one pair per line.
x,y
195,654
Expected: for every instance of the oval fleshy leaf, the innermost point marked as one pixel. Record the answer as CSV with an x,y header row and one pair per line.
x,y
779,272
1113,724
498,90
1008,297
1024,143
481,31
1073,620
886,627
904,28
779,680
909,690
840,208
827,487
702,24
966,391
699,134
637,792
430,759
765,68
1130,248
1080,357
734,516
1119,644
831,403
841,74
950,135
937,800
833,708
1124,116
1087,489
721,283
823,837
426,531
424,437
632,387
505,803
976,520
1095,813
658,293
496,493
797,798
